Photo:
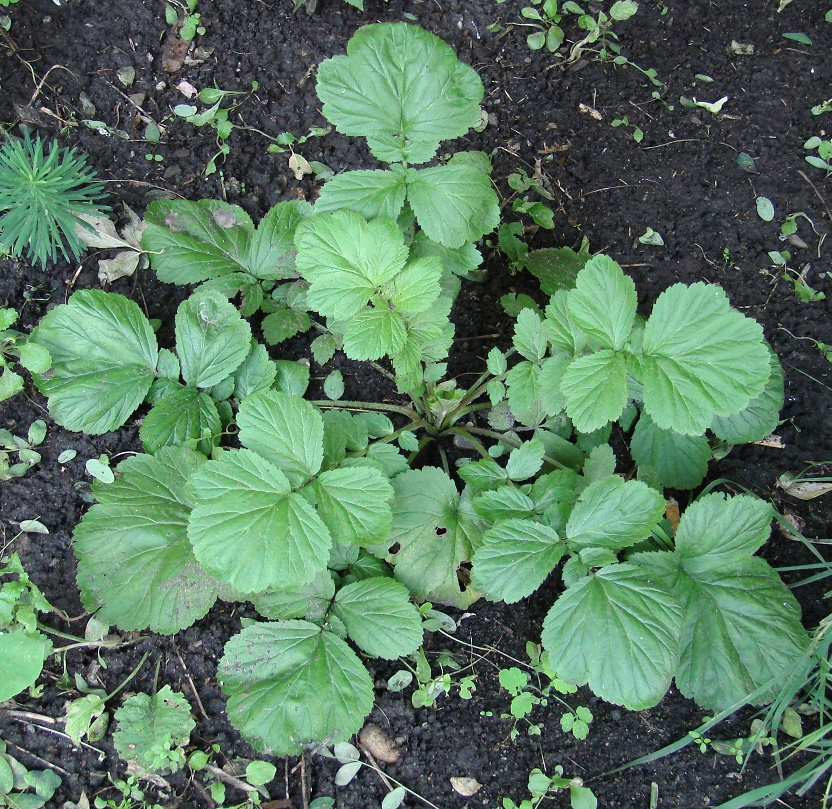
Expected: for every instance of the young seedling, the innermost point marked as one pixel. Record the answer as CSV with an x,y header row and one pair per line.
x,y
823,158
542,786
27,456
15,348
184,15
638,134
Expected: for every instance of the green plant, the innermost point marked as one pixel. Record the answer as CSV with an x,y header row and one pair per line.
x,y
27,456
215,116
823,159
638,134
16,781
41,198
542,786
184,14
318,518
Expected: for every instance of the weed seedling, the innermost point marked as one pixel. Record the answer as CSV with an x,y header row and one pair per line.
x,y
15,348
823,158
27,456
638,134
184,14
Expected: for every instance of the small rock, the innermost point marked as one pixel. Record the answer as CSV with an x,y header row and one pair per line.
x,y
376,742
172,171
466,786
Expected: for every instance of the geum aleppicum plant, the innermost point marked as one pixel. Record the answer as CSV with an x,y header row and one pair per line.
x,y
318,519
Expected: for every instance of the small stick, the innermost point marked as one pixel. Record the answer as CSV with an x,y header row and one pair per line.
x,y
35,717
193,687
378,770
303,782
229,779
39,759
819,195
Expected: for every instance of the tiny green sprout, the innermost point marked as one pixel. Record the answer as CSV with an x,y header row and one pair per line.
x,y
823,158
637,133
699,740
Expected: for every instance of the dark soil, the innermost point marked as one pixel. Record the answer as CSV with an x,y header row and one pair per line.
x,y
682,180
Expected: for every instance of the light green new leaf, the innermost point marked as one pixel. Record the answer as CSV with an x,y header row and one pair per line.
x,y
417,286
10,384
561,329
762,415
614,513
283,429
147,722
271,254
379,617
376,332
716,532
212,340
529,336
403,89
104,357
355,504
618,631
435,530
595,389
556,267
525,461
701,359
370,193
21,659
679,461
248,527
604,302
311,602
460,261
346,259
189,242
534,390
134,558
454,203
290,683
503,503
514,559
183,415
257,372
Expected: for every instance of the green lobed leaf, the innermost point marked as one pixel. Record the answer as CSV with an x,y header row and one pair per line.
x,y
402,88
617,631
515,557
355,504
310,602
248,527
290,683
503,503
556,267
182,416
561,329
454,203
345,259
529,336
461,261
147,722
679,461
22,656
762,415
271,254
417,286
376,332
614,513
701,359
370,193
256,372
595,389
285,430
189,242
603,303
135,564
379,617
434,531
99,378
284,323
212,340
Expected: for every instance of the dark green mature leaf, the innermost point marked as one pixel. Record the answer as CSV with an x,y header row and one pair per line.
x,y
701,359
402,88
284,323
184,415
679,461
613,513
212,340
618,631
189,242
250,529
147,722
310,602
556,267
283,429
291,683
434,531
379,617
514,559
762,415
257,372
374,333
104,356
271,254
355,504
135,562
